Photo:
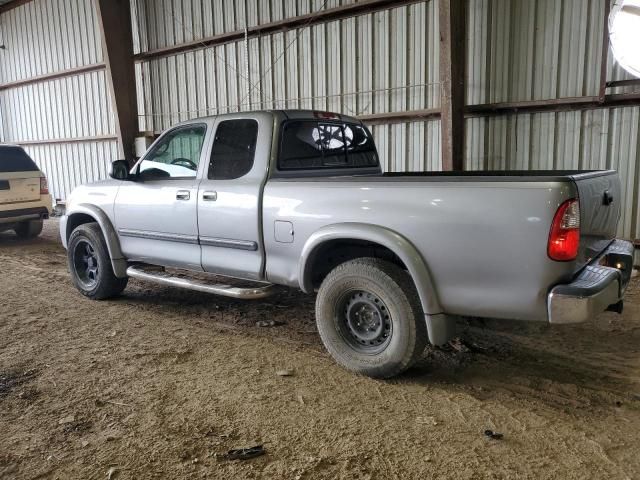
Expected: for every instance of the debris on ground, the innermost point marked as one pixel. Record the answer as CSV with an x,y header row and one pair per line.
x,y
493,435
14,378
284,373
244,453
111,473
68,419
269,323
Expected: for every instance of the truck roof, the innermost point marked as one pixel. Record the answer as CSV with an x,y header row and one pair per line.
x,y
293,114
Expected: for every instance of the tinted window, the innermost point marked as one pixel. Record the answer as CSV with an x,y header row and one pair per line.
x,y
15,159
316,145
233,150
176,155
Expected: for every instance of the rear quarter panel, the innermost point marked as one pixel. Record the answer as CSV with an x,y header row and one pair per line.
x,y
484,243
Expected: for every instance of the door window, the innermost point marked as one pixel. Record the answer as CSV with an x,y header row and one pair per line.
x,y
176,155
233,150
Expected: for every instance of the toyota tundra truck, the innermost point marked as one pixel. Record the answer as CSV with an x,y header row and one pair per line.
x,y
298,199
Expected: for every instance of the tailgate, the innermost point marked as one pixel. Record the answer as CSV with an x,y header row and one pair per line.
x,y
600,199
18,187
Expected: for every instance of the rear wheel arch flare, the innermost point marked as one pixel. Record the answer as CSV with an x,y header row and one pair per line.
x,y
405,253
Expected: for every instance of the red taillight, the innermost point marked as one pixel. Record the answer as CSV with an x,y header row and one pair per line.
x,y
564,238
44,186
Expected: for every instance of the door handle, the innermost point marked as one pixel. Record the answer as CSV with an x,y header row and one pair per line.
x,y
210,196
183,195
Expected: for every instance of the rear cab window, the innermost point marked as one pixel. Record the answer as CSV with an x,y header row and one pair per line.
x,y
15,159
317,147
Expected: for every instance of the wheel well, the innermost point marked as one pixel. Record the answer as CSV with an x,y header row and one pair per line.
x,y
76,220
332,253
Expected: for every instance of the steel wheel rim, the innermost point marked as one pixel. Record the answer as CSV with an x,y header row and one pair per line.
x,y
364,321
85,262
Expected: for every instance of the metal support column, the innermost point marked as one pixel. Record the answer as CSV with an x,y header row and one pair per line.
x,y
114,18
452,82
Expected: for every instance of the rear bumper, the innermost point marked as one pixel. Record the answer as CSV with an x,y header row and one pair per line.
x,y
600,285
24,214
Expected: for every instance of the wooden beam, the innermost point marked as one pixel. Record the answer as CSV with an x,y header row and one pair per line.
x,y
605,51
114,18
399,117
624,83
11,5
452,15
321,16
570,104
52,76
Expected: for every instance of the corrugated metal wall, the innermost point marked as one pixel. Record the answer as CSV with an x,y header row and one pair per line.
x,y
48,36
341,65
373,63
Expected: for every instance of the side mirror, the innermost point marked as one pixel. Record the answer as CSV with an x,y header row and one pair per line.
x,y
119,170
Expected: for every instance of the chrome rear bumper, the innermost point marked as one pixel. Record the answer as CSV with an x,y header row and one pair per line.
x,y
600,285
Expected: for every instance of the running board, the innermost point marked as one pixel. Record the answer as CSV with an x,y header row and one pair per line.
x,y
164,278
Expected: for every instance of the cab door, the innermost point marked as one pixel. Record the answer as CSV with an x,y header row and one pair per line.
x,y
229,196
156,215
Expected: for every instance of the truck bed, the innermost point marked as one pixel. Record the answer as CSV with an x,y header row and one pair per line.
x,y
483,235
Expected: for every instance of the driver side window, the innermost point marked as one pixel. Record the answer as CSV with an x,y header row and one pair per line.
x,y
176,155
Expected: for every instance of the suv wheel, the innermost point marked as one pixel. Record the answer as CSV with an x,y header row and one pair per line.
x,y
90,264
30,229
369,317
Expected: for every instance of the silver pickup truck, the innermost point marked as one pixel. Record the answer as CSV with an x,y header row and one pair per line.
x,y
298,198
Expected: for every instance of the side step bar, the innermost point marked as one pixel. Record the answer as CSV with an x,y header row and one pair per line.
x,y
164,278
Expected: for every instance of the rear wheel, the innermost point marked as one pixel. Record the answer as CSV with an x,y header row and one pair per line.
x,y
30,229
90,264
369,317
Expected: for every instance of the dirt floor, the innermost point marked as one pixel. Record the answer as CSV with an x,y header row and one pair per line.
x,y
160,383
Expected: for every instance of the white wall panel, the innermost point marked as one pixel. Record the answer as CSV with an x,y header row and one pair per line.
x,y
379,62
68,165
596,139
46,36
68,107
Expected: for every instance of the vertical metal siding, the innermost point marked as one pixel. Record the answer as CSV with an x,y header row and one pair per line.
x,y
170,22
68,165
67,107
47,36
596,139
533,50
380,62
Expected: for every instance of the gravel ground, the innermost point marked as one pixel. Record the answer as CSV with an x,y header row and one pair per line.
x,y
160,383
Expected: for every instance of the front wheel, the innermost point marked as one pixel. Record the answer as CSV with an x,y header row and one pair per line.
x,y
369,317
90,264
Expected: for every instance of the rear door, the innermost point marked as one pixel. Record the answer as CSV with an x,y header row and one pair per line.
x,y
230,196
600,201
19,177
156,215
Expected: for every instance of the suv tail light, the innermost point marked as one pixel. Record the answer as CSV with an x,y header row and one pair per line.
x,y
44,186
564,238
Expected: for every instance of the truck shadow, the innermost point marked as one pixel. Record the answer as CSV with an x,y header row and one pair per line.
x,y
590,366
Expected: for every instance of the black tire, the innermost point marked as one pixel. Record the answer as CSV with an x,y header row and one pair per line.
x,y
370,319
29,229
90,264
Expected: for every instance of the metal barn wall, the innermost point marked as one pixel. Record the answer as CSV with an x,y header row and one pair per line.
x,y
547,49
43,37
341,65
517,50
385,61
